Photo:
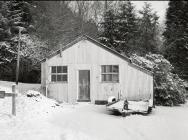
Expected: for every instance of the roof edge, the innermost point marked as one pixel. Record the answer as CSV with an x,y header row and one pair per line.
x,y
86,37
141,68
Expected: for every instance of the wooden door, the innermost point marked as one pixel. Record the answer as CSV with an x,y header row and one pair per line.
x,y
84,85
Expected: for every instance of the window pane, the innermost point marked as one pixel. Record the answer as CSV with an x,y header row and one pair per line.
x,y
115,69
64,69
103,77
115,77
108,68
110,73
53,78
103,69
64,78
59,77
59,69
53,69
108,77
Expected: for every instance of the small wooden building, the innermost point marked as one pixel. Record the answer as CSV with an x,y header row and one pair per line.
x,y
86,70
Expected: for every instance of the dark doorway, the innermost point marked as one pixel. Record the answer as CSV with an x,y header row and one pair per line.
x,y
84,85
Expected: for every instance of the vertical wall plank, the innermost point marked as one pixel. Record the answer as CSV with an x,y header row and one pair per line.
x,y
88,56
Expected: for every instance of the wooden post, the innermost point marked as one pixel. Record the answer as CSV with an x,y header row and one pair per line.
x,y
105,6
46,92
14,99
154,93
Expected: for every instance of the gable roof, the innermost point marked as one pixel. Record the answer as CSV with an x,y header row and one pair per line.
x,y
85,37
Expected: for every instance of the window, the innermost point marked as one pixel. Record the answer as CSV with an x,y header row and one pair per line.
x,y
59,74
110,73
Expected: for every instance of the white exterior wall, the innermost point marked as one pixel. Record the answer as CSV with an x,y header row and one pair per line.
x,y
140,85
85,55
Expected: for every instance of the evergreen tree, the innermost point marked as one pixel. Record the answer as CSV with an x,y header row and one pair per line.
x,y
127,33
176,36
4,32
19,16
56,23
14,15
148,25
109,27
127,29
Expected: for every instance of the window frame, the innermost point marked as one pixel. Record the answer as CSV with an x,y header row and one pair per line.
x,y
59,73
109,73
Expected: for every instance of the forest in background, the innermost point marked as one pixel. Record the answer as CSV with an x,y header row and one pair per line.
x,y
48,25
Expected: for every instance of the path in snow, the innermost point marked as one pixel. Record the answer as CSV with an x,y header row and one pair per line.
x,y
93,122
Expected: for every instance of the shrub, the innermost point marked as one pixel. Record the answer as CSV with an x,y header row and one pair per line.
x,y
169,89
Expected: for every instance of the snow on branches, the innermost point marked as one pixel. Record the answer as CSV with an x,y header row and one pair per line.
x,y
169,89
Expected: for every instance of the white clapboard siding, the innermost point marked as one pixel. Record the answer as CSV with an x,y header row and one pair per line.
x,y
86,55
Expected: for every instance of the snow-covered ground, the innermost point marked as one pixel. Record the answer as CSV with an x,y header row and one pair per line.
x,y
23,87
40,118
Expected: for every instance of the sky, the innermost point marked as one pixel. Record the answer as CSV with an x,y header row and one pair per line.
x,y
158,6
